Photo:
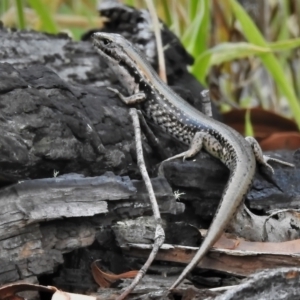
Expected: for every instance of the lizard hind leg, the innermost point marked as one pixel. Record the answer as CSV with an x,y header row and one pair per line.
x,y
264,159
195,147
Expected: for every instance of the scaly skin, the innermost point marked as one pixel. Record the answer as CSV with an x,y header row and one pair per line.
x,y
175,116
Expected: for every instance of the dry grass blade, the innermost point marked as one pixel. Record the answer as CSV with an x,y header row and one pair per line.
x,y
159,46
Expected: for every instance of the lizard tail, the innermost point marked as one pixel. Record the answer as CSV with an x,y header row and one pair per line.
x,y
233,195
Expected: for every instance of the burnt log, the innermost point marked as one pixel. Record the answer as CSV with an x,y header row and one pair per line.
x,y
42,219
57,116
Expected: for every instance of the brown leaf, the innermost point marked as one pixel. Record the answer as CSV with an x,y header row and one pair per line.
x,y
263,121
9,291
60,295
232,255
285,248
281,140
105,280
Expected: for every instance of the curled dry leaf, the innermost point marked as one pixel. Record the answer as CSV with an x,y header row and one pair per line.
x,y
282,248
105,280
271,130
60,295
9,291
281,140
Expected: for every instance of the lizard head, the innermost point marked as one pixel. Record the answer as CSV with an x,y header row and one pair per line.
x,y
111,46
123,58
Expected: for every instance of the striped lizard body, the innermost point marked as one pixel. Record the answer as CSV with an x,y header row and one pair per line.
x,y
161,105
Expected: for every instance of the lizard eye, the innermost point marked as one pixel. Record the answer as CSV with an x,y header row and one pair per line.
x,y
106,42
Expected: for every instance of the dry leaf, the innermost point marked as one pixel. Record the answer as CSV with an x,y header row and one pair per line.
x,y
9,291
281,140
60,295
231,255
271,130
105,280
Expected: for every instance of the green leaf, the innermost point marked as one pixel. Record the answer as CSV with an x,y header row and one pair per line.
x,y
193,9
196,36
269,60
283,19
284,45
222,53
20,10
230,51
47,21
248,125
4,5
167,12
130,2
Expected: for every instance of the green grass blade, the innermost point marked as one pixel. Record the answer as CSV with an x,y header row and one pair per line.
x,y
196,37
167,12
193,9
248,125
230,51
129,2
222,53
20,11
4,5
284,15
269,60
47,21
285,45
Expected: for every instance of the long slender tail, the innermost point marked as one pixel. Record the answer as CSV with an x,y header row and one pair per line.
x,y
235,190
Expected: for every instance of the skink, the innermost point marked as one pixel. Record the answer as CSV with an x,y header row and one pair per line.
x,y
165,108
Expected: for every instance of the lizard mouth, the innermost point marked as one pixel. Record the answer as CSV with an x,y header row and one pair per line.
x,y
105,47
98,44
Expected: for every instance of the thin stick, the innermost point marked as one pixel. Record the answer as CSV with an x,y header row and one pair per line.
x,y
159,232
159,46
206,103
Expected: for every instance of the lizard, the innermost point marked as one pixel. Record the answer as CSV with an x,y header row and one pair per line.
x,y
162,106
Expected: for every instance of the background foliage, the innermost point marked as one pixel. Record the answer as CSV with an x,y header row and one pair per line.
x,y
246,51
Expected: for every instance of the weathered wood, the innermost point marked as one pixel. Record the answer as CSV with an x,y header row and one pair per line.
x,y
58,124
203,180
56,115
235,262
282,283
36,248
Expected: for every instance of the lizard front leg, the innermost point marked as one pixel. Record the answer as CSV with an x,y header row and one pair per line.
x,y
129,100
135,99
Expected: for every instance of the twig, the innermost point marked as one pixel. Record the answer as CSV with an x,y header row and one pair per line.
x,y
159,46
159,232
223,288
206,103
265,233
152,139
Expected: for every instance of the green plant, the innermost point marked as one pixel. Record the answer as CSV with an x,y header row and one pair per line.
x,y
231,53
